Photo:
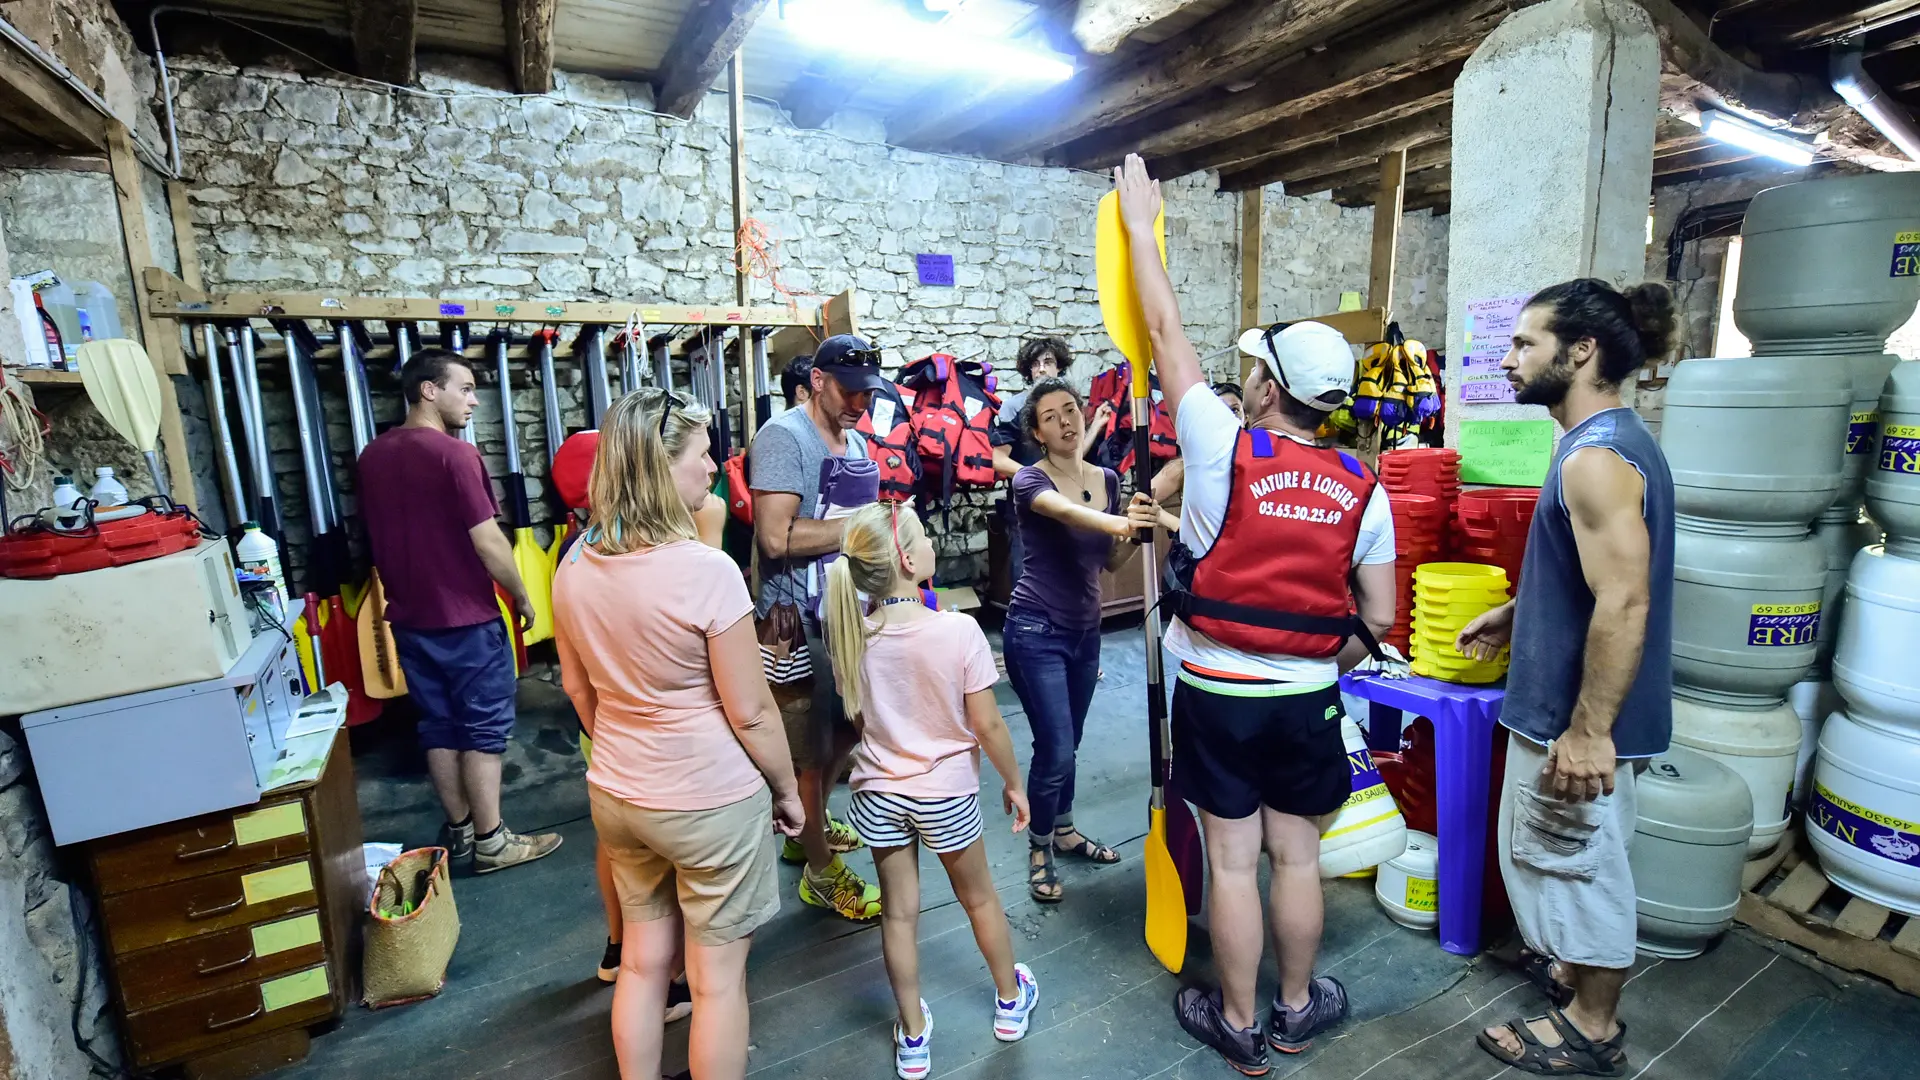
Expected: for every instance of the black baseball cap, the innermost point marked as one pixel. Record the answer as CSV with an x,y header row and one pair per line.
x,y
852,362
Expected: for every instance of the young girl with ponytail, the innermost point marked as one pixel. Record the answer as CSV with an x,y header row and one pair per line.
x,y
919,685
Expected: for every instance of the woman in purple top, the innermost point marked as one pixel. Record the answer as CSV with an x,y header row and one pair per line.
x,y
1069,517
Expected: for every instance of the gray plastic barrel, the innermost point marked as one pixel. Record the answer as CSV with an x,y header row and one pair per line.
x,y
1841,533
1893,478
1689,847
1830,265
1746,611
1760,439
1870,371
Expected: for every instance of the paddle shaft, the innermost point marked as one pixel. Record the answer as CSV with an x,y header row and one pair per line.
x,y
592,346
1150,589
251,416
222,433
522,515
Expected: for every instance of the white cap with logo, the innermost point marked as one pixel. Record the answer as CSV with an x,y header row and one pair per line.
x,y
1311,361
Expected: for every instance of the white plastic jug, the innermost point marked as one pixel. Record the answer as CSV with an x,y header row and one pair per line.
x,y
258,554
107,491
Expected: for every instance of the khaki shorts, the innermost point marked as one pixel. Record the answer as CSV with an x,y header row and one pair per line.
x,y
717,869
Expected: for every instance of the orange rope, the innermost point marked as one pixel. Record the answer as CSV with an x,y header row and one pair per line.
x,y
757,255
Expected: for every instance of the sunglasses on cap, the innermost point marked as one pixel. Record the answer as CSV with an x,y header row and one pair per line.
x,y
857,358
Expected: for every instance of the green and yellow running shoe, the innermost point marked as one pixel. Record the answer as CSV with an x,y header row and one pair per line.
x,y
841,891
841,838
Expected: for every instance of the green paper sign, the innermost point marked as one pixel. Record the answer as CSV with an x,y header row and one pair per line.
x,y
1511,453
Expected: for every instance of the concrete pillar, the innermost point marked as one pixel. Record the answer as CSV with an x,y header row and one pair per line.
x,y
1553,123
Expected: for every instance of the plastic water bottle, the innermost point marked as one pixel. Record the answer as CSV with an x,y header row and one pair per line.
x,y
259,555
99,313
65,495
107,491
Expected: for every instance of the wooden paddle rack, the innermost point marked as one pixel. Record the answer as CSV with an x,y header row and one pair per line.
x,y
1788,897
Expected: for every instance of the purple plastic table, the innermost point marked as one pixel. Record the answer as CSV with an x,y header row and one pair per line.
x,y
1463,719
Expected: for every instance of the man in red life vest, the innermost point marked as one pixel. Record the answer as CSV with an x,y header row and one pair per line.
x,y
1295,577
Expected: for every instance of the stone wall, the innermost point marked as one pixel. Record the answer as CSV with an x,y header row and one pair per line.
x,y
320,185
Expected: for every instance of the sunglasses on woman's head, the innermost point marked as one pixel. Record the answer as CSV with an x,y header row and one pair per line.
x,y
666,412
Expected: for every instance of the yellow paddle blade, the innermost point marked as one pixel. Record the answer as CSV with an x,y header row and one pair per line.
x,y
560,532
122,386
1166,900
379,658
536,571
303,645
350,597
506,613
1113,271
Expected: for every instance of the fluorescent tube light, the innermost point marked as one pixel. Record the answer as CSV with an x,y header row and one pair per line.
x,y
878,32
1730,129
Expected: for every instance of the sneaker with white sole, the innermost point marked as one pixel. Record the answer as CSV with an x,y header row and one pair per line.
x,y
679,1000
1010,1018
512,850
841,890
609,972
913,1055
841,838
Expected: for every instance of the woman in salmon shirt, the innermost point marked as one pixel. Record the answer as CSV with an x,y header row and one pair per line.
x,y
691,776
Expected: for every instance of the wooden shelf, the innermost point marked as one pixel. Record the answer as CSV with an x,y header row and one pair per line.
x,y
45,377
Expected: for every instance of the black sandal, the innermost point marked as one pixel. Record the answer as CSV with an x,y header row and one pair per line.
x,y
1576,1055
1539,971
1087,849
1043,875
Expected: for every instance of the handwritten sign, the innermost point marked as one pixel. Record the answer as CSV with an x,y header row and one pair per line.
x,y
934,269
1489,334
1511,453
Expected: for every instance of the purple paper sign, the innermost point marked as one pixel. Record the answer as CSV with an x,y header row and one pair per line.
x,y
1489,332
934,269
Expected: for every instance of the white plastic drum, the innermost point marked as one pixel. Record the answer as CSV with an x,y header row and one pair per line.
x,y
1863,817
1409,887
1689,847
1893,476
1746,611
1761,746
1812,701
1832,262
1368,829
1757,439
1876,663
1841,534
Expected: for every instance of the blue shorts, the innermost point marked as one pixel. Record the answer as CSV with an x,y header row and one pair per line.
x,y
462,682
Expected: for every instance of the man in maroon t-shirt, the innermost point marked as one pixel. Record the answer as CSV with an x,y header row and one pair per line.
x,y
429,510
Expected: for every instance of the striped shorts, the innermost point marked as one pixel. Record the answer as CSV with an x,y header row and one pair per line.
x,y
887,820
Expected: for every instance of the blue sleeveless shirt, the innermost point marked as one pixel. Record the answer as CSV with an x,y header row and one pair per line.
x,y
1555,605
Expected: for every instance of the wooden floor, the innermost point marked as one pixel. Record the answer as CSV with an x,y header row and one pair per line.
x,y
522,1002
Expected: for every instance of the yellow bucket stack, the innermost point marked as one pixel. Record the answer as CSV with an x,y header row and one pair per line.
x,y
1446,597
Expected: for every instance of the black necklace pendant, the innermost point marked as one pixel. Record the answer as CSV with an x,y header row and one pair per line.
x,y
1086,495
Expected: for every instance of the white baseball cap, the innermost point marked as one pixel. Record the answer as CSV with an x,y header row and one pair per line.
x,y
1311,361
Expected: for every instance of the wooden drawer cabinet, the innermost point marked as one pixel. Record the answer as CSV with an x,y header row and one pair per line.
x,y
211,962
235,928
185,1029
274,831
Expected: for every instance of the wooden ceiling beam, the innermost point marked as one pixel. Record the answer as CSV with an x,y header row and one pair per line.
x,y
1835,20
1414,94
1101,25
822,90
47,111
1351,65
529,43
384,33
1419,185
1430,156
1686,49
1344,152
1705,157
1232,43
709,35
1440,202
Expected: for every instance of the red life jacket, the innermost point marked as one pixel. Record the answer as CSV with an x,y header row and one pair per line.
x,y
892,449
739,496
954,406
1276,579
1114,448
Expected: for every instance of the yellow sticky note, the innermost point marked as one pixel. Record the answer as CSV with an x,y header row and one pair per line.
x,y
1423,894
294,989
266,885
1351,301
286,935
259,826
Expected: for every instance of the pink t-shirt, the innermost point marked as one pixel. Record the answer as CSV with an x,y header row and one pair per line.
x,y
632,629
916,740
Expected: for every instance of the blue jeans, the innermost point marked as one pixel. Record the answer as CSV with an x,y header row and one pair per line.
x,y
1054,670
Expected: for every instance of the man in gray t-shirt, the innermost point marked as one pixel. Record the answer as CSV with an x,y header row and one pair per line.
x,y
786,459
